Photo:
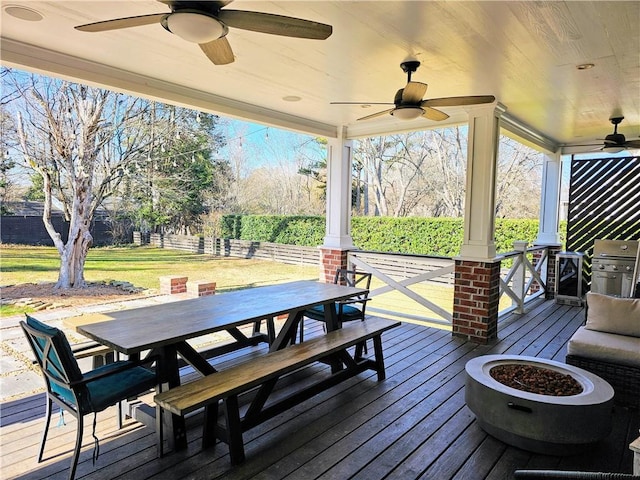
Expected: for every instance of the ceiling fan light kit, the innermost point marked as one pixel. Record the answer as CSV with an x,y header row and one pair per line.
x,y
407,113
612,149
194,27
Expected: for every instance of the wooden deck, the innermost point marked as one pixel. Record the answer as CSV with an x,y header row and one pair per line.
x,y
412,425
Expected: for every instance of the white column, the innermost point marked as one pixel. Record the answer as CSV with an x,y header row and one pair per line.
x,y
479,216
339,160
548,233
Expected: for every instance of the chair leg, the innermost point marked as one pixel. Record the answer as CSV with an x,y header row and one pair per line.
x,y
76,450
47,422
120,415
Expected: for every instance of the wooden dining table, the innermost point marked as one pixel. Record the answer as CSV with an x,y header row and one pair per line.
x,y
163,330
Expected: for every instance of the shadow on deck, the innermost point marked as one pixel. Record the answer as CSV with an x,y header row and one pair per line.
x,y
415,424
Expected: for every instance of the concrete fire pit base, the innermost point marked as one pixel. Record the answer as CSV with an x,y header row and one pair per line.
x,y
547,424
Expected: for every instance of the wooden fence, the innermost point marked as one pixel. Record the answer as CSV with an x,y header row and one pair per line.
x,y
276,252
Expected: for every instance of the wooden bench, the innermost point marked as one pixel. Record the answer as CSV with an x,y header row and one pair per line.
x,y
263,372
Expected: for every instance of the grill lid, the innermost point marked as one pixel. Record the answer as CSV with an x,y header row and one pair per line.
x,y
615,249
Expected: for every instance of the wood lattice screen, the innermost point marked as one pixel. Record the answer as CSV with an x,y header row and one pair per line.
x,y
604,203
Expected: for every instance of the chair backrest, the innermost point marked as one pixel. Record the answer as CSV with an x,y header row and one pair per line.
x,y
55,358
353,278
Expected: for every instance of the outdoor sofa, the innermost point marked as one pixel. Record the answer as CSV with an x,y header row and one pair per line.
x,y
608,344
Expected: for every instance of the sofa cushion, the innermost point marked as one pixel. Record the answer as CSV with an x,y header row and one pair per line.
x,y
607,347
613,315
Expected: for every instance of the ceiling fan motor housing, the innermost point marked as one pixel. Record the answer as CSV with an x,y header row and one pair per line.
x,y
397,100
615,138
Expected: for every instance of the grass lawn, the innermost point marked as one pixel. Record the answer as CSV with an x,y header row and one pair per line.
x,y
142,266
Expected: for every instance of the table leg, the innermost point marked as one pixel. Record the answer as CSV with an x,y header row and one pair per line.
x,y
193,358
288,331
330,316
331,320
175,429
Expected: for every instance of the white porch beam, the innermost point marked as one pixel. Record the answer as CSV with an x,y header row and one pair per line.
x,y
527,135
48,62
479,218
339,161
548,233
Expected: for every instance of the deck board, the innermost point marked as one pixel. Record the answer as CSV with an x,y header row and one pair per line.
x,y
415,424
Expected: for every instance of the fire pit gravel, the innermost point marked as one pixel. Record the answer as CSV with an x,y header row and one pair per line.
x,y
532,379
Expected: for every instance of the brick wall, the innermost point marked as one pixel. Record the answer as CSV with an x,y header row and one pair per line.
x,y
476,299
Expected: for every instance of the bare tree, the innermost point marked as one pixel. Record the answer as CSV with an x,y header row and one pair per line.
x,y
400,171
519,180
424,173
80,140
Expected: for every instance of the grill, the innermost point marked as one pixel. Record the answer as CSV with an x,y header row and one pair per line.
x,y
614,267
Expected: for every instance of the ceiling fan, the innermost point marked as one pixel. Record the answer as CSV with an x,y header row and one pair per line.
x,y
614,142
206,23
408,102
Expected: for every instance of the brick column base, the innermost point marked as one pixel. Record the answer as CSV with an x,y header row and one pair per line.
x,y
173,284
331,259
201,288
475,300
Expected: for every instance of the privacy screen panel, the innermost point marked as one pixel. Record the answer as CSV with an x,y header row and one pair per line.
x,y
604,203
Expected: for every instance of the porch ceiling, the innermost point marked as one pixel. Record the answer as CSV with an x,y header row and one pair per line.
x,y
525,53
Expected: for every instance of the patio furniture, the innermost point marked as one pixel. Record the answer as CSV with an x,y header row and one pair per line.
x,y
164,329
347,310
263,372
76,392
609,345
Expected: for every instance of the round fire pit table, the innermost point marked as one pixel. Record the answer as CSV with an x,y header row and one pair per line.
x,y
547,424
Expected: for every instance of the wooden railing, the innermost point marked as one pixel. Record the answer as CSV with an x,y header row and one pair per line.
x,y
408,287
526,279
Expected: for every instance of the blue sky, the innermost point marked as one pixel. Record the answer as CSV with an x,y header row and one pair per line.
x,y
263,146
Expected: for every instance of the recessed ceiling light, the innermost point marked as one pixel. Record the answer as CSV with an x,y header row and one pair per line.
x,y
291,98
23,13
366,105
585,66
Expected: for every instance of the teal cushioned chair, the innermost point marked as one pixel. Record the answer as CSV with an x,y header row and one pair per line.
x,y
346,310
76,392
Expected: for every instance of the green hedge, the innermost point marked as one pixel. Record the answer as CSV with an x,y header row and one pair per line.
x,y
427,236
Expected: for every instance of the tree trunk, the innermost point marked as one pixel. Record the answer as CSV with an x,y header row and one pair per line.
x,y
74,252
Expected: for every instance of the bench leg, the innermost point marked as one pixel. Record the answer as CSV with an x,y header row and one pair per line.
x,y
210,423
379,358
160,431
234,430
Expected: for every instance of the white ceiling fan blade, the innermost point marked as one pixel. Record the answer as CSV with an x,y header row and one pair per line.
x,y
413,92
118,23
433,114
379,114
219,51
275,24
